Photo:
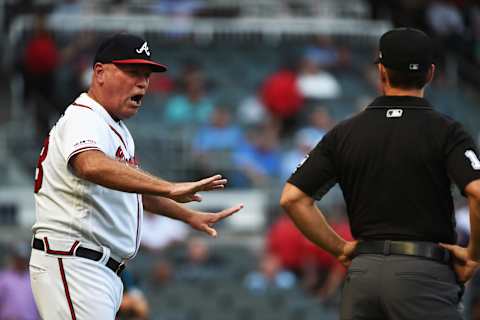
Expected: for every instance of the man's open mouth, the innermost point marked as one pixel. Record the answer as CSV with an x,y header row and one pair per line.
x,y
137,99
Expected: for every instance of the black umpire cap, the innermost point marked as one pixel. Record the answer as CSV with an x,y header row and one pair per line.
x,y
125,48
406,49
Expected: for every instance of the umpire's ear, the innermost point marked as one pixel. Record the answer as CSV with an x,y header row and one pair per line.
x,y
431,73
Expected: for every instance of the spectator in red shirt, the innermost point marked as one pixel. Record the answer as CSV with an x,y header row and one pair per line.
x,y
40,60
320,273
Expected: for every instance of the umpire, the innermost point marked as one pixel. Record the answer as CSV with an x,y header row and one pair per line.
x,y
395,163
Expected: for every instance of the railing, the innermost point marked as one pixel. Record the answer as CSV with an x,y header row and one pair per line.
x,y
207,27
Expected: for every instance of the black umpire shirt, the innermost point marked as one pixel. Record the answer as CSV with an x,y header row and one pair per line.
x,y
394,163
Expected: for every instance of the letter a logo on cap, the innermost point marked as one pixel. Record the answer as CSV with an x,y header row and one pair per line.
x,y
144,48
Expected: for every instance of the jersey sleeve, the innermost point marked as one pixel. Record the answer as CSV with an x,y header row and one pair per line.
x,y
316,174
80,131
462,157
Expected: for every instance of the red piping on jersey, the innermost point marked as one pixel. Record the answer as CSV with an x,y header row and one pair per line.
x,y
65,286
59,252
113,129
138,225
137,237
118,134
81,149
81,105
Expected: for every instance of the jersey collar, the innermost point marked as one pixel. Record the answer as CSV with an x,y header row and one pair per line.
x,y
400,102
86,100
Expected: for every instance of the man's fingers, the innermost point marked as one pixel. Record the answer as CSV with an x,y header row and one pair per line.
x,y
210,231
215,185
197,198
211,179
212,183
228,212
219,182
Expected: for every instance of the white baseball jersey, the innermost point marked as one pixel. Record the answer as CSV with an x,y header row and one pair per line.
x,y
71,208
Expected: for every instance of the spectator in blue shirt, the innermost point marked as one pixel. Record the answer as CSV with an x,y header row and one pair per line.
x,y
192,105
258,160
214,142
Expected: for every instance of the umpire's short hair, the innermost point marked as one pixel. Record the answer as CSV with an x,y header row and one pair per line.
x,y
406,79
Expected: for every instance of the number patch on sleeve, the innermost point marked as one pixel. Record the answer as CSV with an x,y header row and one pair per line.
x,y
470,154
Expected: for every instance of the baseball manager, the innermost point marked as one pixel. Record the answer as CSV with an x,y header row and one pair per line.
x,y
90,193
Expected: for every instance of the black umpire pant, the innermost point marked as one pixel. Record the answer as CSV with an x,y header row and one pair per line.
x,y
397,287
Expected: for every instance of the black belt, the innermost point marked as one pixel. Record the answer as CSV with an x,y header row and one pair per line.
x,y
428,250
82,252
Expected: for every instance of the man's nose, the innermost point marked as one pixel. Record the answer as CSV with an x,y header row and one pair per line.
x,y
143,82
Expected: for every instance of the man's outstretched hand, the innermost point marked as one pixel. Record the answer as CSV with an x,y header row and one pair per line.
x,y
204,221
184,192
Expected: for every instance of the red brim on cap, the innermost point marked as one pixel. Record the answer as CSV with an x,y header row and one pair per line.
x,y
156,67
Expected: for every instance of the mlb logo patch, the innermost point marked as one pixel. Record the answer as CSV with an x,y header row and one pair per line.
x,y
394,113
413,66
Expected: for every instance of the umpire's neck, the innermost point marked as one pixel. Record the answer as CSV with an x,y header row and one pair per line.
x,y
389,90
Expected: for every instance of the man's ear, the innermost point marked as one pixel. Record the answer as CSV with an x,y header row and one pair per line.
x,y
99,73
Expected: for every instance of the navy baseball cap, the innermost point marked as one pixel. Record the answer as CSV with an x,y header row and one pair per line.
x,y
406,49
125,48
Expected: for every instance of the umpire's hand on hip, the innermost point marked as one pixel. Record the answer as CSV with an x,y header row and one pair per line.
x,y
463,265
346,255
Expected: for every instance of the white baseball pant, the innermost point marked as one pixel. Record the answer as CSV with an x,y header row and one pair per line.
x,y
70,287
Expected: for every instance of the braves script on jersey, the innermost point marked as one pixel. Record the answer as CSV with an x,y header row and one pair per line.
x,y
72,208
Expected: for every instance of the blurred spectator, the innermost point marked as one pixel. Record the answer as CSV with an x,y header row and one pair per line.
x,y
40,61
158,232
192,105
219,134
134,306
200,264
251,111
174,8
306,139
402,13
214,142
282,98
257,161
447,24
445,19
161,84
314,81
462,217
72,7
162,272
327,54
16,298
270,275
76,72
322,274
319,272
13,9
